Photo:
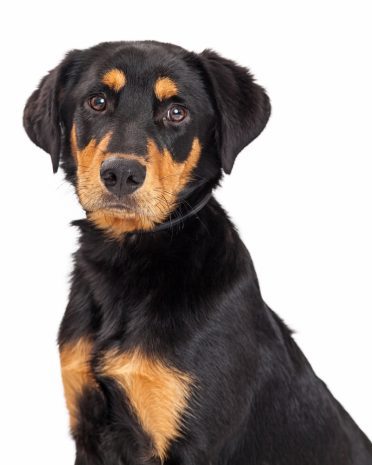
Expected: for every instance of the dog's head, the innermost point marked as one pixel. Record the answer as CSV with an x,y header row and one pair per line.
x,y
139,125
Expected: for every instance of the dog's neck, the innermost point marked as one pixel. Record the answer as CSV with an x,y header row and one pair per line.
x,y
199,219
185,210
163,272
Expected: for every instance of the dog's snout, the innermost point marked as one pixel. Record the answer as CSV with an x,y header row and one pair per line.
x,y
122,176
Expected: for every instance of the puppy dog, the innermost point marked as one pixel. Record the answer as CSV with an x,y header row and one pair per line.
x,y
168,352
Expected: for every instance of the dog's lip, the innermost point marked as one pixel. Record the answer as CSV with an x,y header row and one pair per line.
x,y
118,206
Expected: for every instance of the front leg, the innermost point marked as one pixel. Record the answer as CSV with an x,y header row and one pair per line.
x,y
103,422
85,401
77,375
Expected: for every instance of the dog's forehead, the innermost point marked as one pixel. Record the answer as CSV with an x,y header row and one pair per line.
x,y
137,66
146,67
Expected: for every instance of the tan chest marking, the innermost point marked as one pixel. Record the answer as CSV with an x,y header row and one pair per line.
x,y
76,374
158,394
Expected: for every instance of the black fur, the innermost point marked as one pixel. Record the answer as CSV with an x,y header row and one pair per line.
x,y
188,295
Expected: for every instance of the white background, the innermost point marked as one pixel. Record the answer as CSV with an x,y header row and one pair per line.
x,y
300,194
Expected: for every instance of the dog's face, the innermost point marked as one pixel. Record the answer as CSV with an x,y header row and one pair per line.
x,y
140,125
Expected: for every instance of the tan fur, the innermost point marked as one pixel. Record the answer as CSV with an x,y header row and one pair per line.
x,y
89,160
76,374
165,88
158,394
154,200
115,79
166,178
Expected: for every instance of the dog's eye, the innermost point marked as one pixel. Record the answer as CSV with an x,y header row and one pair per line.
x,y
176,114
97,102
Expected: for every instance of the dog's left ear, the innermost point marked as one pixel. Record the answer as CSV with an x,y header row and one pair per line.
x,y
243,106
41,117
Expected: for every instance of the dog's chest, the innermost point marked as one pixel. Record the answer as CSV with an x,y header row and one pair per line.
x,y
157,393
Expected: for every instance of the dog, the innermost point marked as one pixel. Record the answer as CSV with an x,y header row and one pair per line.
x,y
169,354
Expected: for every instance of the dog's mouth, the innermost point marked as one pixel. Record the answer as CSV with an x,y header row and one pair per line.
x,y
129,211
122,207
112,204
116,209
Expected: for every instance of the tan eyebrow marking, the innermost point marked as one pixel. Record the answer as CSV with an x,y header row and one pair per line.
x,y
165,88
115,79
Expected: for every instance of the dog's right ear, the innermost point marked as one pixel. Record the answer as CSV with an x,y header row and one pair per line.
x,y
41,118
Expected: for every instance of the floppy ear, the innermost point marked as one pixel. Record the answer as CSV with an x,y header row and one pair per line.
x,y
41,116
242,105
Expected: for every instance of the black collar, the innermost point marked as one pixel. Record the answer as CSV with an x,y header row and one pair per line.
x,y
193,211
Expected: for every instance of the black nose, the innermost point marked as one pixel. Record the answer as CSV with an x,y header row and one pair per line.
x,y
122,176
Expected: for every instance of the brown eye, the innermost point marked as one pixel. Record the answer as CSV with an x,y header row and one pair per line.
x,y
176,113
97,102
